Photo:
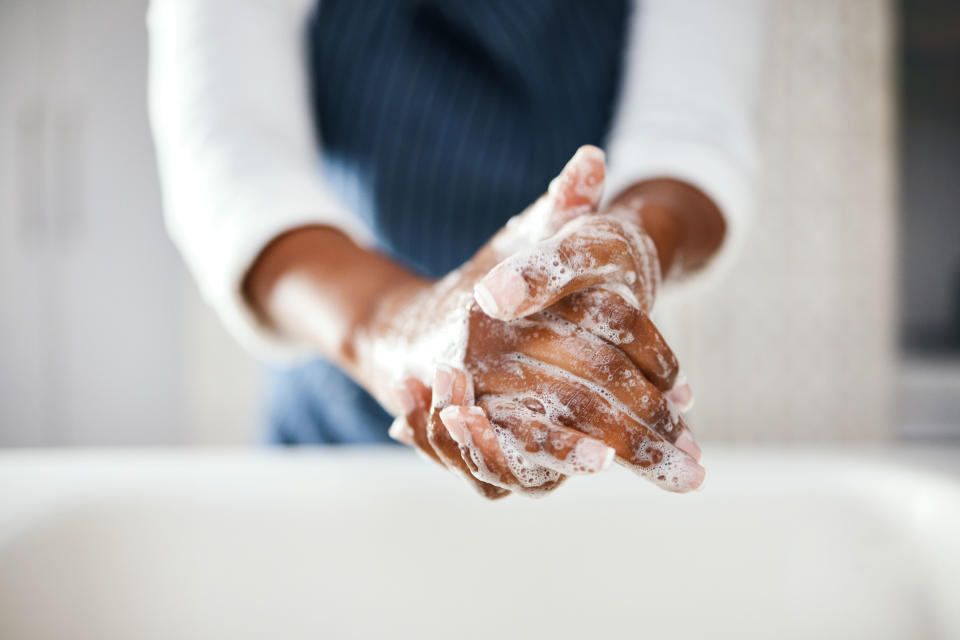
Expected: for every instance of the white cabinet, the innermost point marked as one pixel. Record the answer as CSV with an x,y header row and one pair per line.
x,y
91,290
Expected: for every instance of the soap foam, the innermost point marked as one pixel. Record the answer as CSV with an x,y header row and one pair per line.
x,y
656,459
545,216
665,465
404,356
508,409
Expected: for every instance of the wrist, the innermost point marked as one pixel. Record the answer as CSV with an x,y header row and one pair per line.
x,y
386,320
383,303
660,224
315,285
685,225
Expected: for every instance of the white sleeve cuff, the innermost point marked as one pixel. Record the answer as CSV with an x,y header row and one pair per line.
x,y
221,256
686,108
702,165
236,149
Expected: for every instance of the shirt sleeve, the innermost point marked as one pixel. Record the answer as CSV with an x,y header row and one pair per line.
x,y
238,157
687,105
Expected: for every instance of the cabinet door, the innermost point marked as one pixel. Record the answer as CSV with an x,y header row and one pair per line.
x,y
92,290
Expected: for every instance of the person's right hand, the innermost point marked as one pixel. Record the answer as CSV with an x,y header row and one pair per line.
x,y
576,376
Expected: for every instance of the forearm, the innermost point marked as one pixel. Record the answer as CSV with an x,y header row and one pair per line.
x,y
685,225
315,285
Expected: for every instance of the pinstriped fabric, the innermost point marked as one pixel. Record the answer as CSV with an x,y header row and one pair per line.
x,y
439,120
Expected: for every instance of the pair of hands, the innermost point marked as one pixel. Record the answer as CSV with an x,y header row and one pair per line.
x,y
540,353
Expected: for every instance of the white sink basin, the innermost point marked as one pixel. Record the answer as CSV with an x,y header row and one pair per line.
x,y
379,544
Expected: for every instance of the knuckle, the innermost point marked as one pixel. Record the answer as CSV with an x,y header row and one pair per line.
x,y
660,417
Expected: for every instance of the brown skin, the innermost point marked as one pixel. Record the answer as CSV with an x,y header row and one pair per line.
x,y
315,285
685,225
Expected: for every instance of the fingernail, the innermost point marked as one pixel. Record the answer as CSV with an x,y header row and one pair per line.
x,y
688,445
590,151
593,455
590,185
582,155
405,398
401,431
693,474
453,421
442,386
681,395
500,292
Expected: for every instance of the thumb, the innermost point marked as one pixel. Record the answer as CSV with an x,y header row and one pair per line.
x,y
575,191
578,187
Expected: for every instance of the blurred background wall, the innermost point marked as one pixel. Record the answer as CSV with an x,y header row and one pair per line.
x,y
799,343
104,340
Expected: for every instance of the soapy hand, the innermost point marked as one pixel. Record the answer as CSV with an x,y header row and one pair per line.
x,y
542,359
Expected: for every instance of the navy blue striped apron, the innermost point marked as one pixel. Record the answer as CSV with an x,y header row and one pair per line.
x,y
439,120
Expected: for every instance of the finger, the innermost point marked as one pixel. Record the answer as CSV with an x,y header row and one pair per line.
x,y
578,187
452,385
680,394
411,428
544,443
576,190
606,315
573,402
502,464
687,444
492,457
401,431
587,252
549,339
592,362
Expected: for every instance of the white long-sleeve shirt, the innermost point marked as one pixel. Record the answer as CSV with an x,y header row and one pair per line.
x,y
238,157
